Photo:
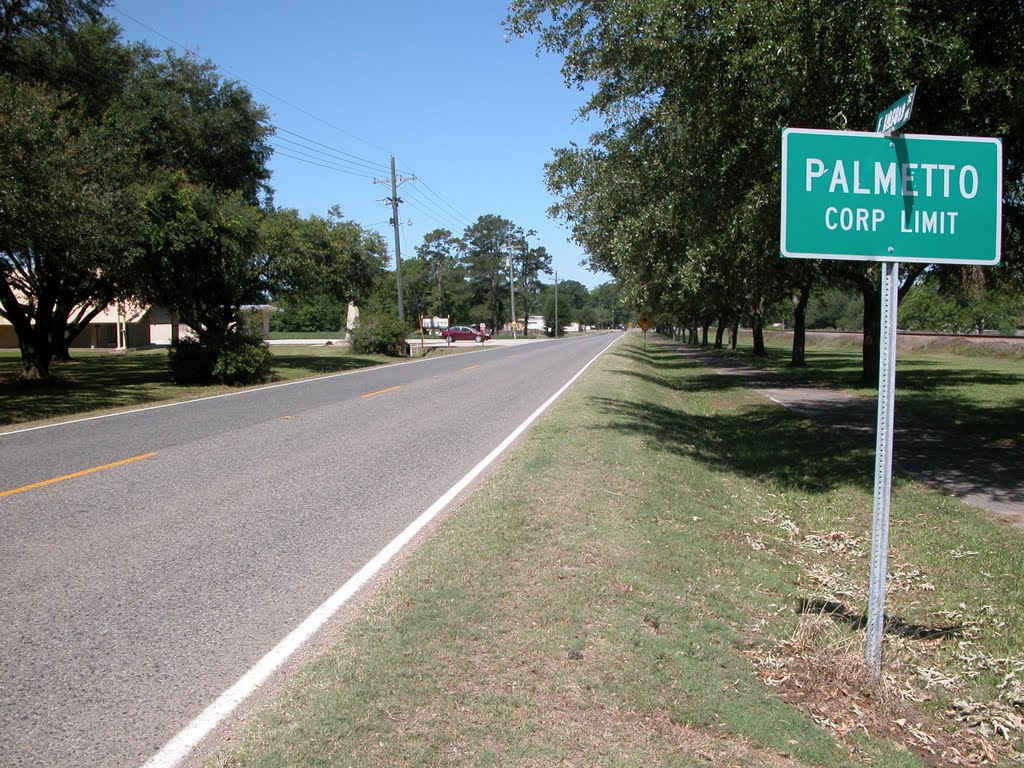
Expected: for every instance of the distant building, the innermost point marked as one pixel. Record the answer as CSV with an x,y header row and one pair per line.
x,y
126,324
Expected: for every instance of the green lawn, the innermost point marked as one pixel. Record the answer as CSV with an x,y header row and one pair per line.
x,y
670,571
306,335
968,388
95,382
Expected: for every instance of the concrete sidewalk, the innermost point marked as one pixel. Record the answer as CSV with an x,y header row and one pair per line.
x,y
983,475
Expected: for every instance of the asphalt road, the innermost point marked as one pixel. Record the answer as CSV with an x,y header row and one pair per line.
x,y
134,595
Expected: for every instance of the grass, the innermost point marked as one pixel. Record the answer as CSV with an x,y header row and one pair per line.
x,y
274,335
976,390
630,588
93,381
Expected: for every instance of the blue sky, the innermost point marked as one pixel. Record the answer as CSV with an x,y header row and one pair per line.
x,y
472,115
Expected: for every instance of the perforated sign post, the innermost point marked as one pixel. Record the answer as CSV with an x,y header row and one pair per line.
x,y
869,197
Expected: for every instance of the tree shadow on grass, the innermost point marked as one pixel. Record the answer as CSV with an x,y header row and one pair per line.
x,y
82,384
321,364
96,382
658,359
927,391
762,442
756,372
933,396
656,356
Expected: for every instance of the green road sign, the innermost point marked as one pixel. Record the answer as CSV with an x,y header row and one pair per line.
x,y
896,115
866,197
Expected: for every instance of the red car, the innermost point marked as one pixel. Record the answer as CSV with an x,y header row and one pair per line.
x,y
464,333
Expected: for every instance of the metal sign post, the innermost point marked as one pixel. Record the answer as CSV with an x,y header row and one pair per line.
x,y
883,470
645,326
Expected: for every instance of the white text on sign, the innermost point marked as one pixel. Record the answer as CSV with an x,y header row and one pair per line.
x,y
906,179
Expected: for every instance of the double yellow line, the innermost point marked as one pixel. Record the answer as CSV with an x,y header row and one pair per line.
x,y
73,475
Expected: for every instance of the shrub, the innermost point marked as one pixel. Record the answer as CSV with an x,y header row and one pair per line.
x,y
379,335
246,361
190,361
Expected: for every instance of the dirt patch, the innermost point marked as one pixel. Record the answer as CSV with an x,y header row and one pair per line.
x,y
827,683
821,671
714,747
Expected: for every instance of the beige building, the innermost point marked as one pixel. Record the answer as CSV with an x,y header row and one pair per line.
x,y
125,324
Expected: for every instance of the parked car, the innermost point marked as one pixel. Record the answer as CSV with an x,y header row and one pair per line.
x,y
465,333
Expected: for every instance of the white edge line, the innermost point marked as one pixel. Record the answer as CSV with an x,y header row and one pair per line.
x,y
191,735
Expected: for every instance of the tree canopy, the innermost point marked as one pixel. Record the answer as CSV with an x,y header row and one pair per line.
x,y
679,196
131,173
69,183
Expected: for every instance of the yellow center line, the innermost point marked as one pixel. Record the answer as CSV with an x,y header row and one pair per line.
x,y
75,474
470,367
380,392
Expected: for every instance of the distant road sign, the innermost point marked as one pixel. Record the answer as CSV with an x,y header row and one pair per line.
x,y
865,197
645,324
896,115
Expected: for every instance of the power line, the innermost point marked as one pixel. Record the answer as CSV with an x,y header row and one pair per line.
x,y
280,153
428,214
369,164
338,160
445,219
253,85
306,150
442,199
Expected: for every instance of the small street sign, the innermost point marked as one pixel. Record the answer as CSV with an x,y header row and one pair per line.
x,y
896,115
861,196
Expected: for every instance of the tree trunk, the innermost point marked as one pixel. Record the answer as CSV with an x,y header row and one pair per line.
x,y
871,289
872,330
719,333
33,333
734,332
704,333
758,330
36,354
798,358
61,341
495,306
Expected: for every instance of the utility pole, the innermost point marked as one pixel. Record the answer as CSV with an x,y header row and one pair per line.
x,y
556,303
512,289
395,200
